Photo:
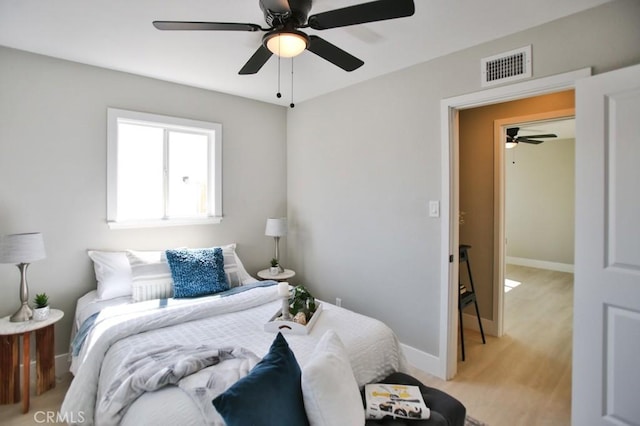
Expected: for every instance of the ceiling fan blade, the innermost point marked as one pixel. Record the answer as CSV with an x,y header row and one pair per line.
x,y
204,26
547,135
362,13
259,58
333,54
525,140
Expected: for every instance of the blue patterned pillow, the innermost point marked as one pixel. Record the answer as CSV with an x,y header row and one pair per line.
x,y
270,394
197,272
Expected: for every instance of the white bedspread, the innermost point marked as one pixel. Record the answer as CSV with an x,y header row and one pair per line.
x,y
234,321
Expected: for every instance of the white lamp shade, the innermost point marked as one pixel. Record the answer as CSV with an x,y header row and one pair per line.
x,y
276,227
21,248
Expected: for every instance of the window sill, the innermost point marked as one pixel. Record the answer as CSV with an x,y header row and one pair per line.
x,y
163,223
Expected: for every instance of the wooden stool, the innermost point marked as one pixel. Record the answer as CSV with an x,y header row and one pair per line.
x,y
10,335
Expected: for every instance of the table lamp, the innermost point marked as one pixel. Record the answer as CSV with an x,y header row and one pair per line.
x,y
276,228
22,249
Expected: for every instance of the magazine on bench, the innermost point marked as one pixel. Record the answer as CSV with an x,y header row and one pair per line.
x,y
398,401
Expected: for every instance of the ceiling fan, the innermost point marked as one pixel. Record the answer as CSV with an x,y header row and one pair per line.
x,y
285,18
513,139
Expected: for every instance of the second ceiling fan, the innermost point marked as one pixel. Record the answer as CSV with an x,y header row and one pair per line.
x,y
285,18
513,139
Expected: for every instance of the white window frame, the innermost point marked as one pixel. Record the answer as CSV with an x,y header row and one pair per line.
x,y
116,116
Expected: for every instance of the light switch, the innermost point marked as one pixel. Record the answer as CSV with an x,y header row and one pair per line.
x,y
434,208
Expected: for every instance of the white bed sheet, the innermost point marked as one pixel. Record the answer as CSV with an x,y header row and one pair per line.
x,y
90,304
372,347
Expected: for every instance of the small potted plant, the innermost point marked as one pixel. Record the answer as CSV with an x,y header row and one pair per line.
x,y
41,311
275,268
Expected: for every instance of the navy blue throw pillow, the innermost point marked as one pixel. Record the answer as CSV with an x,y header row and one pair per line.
x,y
270,395
197,272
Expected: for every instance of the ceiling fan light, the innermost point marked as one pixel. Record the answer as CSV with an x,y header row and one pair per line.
x,y
511,144
286,44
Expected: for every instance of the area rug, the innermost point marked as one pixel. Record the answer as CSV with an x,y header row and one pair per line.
x,y
470,421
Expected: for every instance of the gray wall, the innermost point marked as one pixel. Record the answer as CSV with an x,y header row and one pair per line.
x,y
364,161
540,201
53,171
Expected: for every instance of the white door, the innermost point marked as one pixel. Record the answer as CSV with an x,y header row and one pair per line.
x,y
606,336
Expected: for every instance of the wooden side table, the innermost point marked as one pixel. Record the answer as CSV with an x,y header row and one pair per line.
x,y
265,274
10,333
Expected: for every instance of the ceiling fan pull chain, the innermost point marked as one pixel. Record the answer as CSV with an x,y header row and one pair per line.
x,y
278,95
292,104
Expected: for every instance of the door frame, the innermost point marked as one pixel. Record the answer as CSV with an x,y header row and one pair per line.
x,y
450,208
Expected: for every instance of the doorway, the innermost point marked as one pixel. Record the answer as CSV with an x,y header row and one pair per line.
x,y
452,108
536,208
482,168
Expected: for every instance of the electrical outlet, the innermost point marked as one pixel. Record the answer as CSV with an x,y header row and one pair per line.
x,y
338,301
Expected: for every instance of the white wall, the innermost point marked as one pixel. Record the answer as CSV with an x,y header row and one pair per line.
x,y
364,161
53,171
540,201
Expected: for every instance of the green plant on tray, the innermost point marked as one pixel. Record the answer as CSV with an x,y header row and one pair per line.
x,y
301,300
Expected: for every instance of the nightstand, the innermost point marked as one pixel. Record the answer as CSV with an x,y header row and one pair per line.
x,y
10,333
265,274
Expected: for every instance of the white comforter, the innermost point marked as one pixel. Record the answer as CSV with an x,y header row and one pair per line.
x,y
236,321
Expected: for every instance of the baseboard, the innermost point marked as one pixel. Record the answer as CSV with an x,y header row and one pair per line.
x,y
62,363
432,364
540,264
422,360
489,327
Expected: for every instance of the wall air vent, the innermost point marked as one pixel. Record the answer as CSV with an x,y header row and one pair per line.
x,y
507,67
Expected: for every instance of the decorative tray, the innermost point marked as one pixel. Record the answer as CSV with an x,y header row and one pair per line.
x,y
289,327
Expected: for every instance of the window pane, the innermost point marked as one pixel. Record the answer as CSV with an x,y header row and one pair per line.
x,y
188,174
140,172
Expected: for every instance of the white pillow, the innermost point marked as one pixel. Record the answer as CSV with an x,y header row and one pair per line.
x,y
150,275
233,267
114,276
329,388
113,273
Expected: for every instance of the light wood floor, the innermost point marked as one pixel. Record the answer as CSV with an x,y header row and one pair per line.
x,y
39,407
522,378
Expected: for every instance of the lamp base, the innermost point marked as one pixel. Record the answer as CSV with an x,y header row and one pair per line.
x,y
23,314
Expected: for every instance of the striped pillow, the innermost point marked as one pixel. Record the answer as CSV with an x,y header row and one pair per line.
x,y
233,267
150,275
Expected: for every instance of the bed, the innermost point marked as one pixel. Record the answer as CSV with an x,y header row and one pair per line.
x,y
113,330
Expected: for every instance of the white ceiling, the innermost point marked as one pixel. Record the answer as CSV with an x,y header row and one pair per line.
x,y
118,34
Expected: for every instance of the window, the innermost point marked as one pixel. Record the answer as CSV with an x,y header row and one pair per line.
x,y
162,170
